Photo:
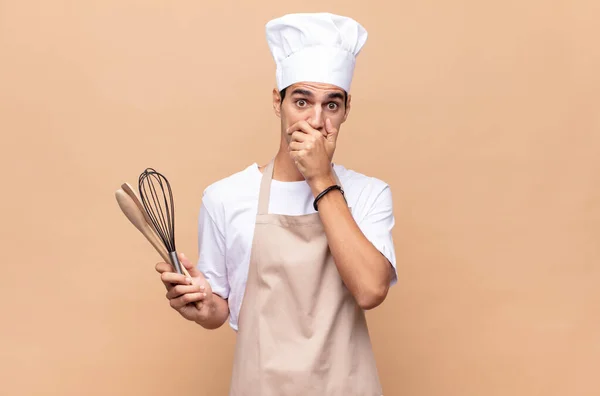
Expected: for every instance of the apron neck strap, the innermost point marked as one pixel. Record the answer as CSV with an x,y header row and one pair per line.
x,y
265,187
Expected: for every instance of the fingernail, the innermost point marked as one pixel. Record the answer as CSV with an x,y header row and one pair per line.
x,y
188,280
202,288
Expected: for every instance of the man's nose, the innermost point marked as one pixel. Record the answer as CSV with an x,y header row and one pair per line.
x,y
315,119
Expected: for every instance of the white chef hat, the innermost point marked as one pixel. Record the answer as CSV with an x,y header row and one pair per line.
x,y
315,47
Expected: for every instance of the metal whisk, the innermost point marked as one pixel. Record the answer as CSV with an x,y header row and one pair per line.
x,y
157,198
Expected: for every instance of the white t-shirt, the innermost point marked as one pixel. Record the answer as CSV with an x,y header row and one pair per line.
x,y
228,213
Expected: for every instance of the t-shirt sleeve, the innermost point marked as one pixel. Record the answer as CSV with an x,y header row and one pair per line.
x,y
211,245
377,224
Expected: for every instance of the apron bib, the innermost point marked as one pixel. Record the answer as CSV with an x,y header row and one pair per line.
x,y
300,331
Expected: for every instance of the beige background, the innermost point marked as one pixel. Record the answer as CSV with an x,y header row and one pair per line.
x,y
483,117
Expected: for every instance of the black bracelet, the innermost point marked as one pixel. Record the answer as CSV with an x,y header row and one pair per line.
x,y
322,194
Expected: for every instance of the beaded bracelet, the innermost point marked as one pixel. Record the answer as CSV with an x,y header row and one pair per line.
x,y
322,194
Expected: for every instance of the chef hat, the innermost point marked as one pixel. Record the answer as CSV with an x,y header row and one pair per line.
x,y
315,47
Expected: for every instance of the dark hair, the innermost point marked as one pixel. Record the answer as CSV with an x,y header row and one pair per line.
x,y
282,93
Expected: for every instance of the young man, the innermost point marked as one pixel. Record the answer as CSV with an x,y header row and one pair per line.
x,y
294,251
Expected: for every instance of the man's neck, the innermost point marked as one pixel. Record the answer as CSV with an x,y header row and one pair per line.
x,y
284,168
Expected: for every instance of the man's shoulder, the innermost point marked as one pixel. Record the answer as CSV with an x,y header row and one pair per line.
x,y
358,181
366,193
232,186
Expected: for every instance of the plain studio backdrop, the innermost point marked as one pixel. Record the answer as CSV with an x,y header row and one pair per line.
x,y
483,117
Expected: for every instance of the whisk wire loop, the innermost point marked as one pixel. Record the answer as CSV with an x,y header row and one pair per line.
x,y
157,198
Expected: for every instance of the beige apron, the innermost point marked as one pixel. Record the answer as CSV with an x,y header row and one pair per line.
x,y
301,332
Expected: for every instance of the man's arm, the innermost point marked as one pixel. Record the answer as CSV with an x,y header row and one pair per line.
x,y
203,298
211,260
366,272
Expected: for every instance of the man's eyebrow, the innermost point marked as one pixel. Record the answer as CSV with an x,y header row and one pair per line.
x,y
335,95
299,91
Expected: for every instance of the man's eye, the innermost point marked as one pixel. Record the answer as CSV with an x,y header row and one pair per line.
x,y
301,102
332,106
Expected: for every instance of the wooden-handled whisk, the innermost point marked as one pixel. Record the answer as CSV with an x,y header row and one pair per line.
x,y
144,220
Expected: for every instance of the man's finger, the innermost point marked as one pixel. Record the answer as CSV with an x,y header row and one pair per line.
x,y
179,290
295,127
175,278
163,267
186,299
299,136
329,127
303,126
296,146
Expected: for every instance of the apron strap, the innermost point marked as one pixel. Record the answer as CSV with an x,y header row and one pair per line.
x,y
264,193
265,189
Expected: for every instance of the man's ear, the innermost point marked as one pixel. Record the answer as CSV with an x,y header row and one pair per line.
x,y
277,102
348,106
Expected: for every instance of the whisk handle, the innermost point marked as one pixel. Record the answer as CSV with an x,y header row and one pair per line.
x,y
176,263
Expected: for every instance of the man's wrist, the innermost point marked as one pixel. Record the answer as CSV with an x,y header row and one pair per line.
x,y
320,184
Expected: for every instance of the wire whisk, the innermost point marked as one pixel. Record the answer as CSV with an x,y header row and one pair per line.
x,y
157,198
